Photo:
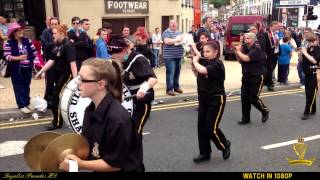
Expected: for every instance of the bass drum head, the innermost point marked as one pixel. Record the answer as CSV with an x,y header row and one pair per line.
x,y
73,106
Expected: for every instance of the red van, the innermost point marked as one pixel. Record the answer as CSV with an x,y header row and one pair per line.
x,y
237,25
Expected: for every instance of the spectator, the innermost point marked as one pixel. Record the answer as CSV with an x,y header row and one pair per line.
x,y
3,26
207,22
157,42
172,54
21,53
193,32
47,46
101,45
85,26
284,61
108,27
80,39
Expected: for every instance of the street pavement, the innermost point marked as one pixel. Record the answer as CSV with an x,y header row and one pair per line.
x,y
170,140
9,110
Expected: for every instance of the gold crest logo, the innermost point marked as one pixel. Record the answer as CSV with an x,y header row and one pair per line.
x,y
131,76
95,150
300,149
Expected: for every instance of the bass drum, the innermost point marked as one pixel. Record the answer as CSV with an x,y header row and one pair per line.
x,y
72,106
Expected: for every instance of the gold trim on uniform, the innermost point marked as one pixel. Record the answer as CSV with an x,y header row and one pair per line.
x,y
314,99
259,100
143,118
215,125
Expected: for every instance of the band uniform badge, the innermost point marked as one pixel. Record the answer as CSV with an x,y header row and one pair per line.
x,y
300,148
95,150
131,76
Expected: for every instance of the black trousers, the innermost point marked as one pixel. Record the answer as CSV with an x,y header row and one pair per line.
x,y
283,72
311,89
250,92
48,95
272,60
60,81
209,117
141,114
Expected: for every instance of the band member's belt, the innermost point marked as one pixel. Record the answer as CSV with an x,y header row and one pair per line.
x,y
134,87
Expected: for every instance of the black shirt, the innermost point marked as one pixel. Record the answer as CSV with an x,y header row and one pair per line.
x,y
47,42
306,64
83,45
255,66
139,72
213,82
109,130
63,53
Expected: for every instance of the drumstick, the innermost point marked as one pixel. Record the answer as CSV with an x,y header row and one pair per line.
x,y
130,97
133,96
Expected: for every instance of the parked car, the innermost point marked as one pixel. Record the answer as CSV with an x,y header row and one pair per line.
x,y
235,26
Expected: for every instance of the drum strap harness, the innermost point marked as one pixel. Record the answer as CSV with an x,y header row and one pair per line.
x,y
144,86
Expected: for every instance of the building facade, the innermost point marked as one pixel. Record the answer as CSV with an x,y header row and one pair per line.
x,y
30,13
187,15
148,13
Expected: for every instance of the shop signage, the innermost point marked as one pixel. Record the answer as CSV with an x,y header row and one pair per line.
x,y
127,6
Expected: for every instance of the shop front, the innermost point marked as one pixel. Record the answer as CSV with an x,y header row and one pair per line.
x,y
30,13
148,13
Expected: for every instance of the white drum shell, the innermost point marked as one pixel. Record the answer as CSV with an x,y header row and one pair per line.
x,y
72,106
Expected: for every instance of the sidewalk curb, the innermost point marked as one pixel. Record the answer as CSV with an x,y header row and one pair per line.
x,y
7,114
230,92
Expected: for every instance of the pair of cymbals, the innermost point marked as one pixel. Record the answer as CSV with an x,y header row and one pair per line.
x,y
45,151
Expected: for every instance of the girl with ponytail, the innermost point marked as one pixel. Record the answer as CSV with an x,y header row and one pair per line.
x,y
107,125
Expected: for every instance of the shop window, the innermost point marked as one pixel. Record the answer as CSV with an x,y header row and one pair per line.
x,y
12,8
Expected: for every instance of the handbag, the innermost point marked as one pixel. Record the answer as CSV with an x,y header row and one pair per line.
x,y
4,68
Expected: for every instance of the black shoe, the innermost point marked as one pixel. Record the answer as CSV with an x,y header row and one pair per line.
x,y
226,151
265,117
201,158
305,117
52,127
270,88
242,122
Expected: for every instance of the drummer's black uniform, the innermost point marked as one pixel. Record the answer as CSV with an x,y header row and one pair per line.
x,y
212,100
110,132
139,72
63,53
252,82
311,86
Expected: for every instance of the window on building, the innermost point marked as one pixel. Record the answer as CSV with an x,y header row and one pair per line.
x,y
12,8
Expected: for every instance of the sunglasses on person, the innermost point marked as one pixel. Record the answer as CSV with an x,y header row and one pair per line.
x,y
74,23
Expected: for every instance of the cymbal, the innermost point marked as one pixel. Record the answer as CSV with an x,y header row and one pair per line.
x,y
60,147
35,147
